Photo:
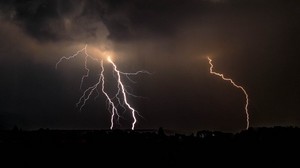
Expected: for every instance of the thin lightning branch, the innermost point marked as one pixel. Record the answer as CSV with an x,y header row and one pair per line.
x,y
89,90
98,94
111,103
85,62
86,65
121,94
121,104
130,79
87,70
133,74
130,94
70,57
235,85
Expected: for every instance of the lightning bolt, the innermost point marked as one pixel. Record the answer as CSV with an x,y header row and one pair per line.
x,y
121,91
114,110
122,88
235,85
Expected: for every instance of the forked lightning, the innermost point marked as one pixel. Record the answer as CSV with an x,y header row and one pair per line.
x,y
121,95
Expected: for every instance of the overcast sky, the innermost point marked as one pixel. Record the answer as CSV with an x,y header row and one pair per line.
x,y
254,42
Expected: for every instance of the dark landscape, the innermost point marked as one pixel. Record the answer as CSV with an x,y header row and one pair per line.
x,y
46,147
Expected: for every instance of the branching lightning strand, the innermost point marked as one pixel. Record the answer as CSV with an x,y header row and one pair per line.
x,y
121,91
235,85
120,84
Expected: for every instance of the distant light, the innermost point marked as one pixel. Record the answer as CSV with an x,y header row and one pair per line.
x,y
109,59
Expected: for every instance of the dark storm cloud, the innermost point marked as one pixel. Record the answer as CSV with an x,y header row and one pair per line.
x,y
56,20
252,41
48,20
128,20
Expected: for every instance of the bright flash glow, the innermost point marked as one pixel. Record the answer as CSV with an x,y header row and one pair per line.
x,y
109,59
122,99
235,85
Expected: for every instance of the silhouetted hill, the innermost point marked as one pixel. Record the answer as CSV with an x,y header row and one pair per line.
x,y
96,147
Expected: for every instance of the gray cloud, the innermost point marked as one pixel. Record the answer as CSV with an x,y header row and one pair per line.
x,y
56,20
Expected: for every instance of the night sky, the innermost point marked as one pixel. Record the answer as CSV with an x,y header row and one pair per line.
x,y
254,42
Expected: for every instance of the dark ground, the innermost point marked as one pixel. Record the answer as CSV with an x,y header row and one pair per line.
x,y
101,148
